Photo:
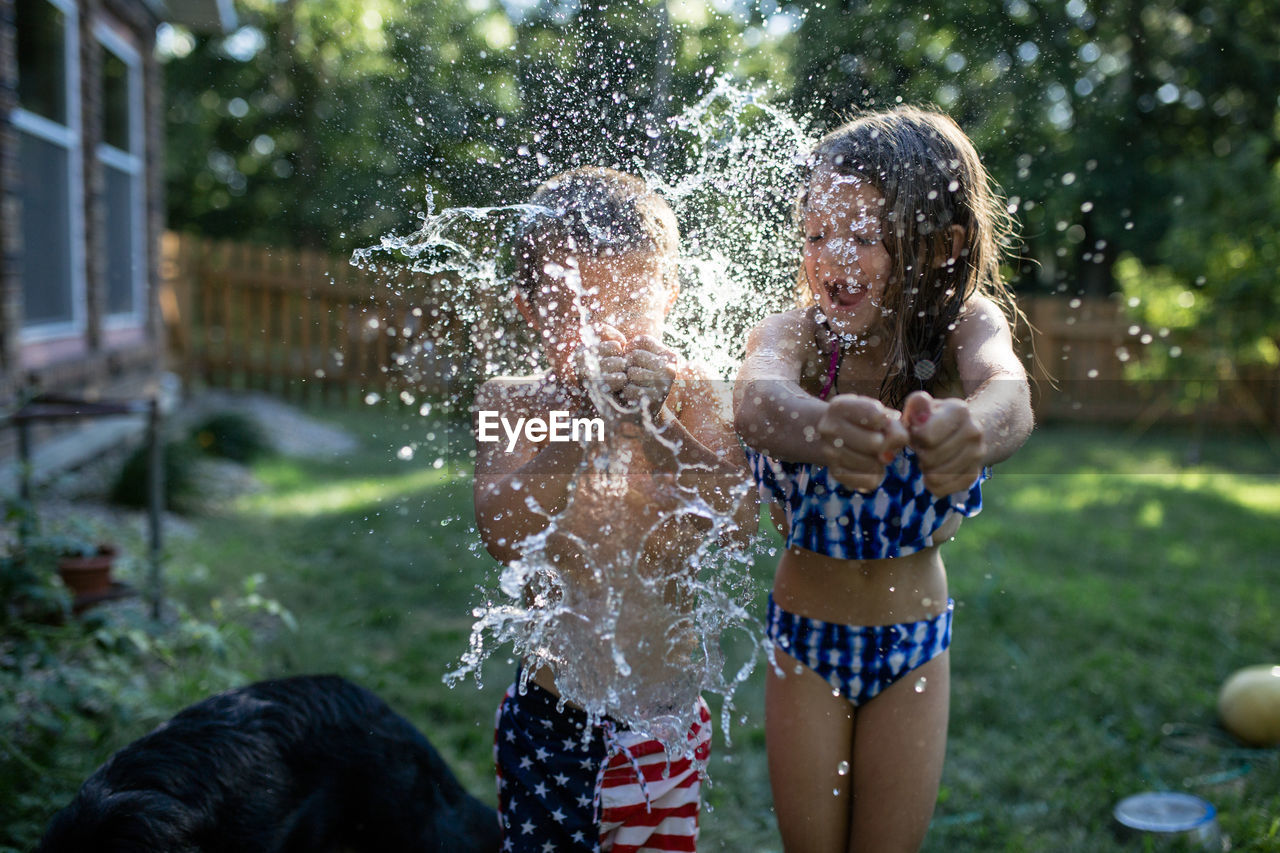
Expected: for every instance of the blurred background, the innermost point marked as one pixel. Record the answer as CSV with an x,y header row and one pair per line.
x,y
183,184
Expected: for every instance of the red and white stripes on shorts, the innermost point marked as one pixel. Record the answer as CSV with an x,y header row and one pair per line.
x,y
648,803
563,788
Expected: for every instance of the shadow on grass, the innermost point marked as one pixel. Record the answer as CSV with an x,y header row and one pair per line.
x,y
1099,610
1103,595
377,559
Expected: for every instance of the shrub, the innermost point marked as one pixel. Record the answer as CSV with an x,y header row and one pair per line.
x,y
232,436
132,486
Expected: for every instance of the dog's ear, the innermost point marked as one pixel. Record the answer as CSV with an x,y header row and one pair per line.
x,y
124,822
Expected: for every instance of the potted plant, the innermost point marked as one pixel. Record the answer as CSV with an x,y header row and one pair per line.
x,y
84,565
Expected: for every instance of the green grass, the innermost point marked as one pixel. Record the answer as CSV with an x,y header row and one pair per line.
x,y
1103,595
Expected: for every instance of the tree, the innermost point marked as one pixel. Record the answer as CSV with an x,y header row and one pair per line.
x,y
330,122
1088,117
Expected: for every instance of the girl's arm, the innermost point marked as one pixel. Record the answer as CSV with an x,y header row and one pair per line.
x,y
772,412
517,492
956,438
853,436
994,378
708,457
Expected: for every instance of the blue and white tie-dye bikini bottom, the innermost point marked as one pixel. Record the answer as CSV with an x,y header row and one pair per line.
x,y
859,662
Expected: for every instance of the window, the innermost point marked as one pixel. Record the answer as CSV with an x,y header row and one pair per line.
x,y
47,120
121,157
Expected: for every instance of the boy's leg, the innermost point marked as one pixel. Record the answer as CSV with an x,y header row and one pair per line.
x,y
899,746
808,735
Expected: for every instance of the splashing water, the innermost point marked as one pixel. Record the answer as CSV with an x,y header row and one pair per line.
x,y
624,640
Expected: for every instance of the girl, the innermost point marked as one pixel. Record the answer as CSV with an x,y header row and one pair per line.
x,y
871,417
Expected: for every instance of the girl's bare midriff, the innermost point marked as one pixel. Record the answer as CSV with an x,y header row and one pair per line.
x,y
864,592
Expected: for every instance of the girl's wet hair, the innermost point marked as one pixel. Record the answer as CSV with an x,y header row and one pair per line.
x,y
930,176
593,211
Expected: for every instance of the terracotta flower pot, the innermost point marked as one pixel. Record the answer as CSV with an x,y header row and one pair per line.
x,y
88,575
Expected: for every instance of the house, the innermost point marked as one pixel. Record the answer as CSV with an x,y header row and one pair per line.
x,y
81,192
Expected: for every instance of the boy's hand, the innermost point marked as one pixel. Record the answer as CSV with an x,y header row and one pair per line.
x,y
610,364
947,441
859,436
651,370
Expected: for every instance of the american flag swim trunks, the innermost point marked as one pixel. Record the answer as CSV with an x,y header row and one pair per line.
x,y
613,790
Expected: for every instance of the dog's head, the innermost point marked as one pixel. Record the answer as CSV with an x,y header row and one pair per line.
x,y
122,822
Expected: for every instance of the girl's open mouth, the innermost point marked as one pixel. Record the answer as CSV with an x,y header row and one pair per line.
x,y
845,294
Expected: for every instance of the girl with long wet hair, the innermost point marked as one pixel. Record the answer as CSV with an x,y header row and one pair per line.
x,y
872,415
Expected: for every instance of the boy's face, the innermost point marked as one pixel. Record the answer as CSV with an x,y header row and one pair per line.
x,y
629,292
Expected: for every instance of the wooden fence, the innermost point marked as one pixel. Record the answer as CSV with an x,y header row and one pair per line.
x,y
309,325
295,322
1083,354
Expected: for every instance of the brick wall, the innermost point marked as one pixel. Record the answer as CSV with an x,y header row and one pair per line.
x,y
10,223
101,369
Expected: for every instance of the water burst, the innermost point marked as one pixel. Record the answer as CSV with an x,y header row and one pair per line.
x,y
733,171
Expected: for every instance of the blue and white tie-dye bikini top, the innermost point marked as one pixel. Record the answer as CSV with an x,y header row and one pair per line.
x,y
898,518
823,515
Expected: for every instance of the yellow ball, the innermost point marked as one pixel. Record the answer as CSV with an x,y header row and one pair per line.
x,y
1249,705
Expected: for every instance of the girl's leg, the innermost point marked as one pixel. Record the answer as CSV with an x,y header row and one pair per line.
x,y
899,747
808,735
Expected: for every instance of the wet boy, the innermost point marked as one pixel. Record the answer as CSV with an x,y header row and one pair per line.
x,y
605,746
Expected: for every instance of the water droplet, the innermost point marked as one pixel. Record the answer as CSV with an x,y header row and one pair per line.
x,y
405,453
921,684
842,769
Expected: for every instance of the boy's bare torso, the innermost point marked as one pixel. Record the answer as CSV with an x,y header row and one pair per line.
x,y
615,568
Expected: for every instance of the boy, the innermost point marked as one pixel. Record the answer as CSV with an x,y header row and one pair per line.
x,y
605,531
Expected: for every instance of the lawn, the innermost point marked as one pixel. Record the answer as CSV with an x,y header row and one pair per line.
x,y
1103,595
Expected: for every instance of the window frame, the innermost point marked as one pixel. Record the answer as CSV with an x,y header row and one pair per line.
x,y
132,162
69,138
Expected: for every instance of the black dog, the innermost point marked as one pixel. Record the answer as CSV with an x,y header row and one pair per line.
x,y
314,764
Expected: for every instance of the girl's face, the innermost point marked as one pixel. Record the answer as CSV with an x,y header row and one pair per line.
x,y
846,264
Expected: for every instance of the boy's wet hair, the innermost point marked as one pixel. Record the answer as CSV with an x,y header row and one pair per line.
x,y
931,178
595,212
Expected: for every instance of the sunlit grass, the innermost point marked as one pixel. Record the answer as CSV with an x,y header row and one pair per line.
x,y
1105,592
344,496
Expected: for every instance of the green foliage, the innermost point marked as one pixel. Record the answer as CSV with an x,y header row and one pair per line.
x,y
231,435
328,123
132,485
73,692
1212,282
1091,116
30,592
